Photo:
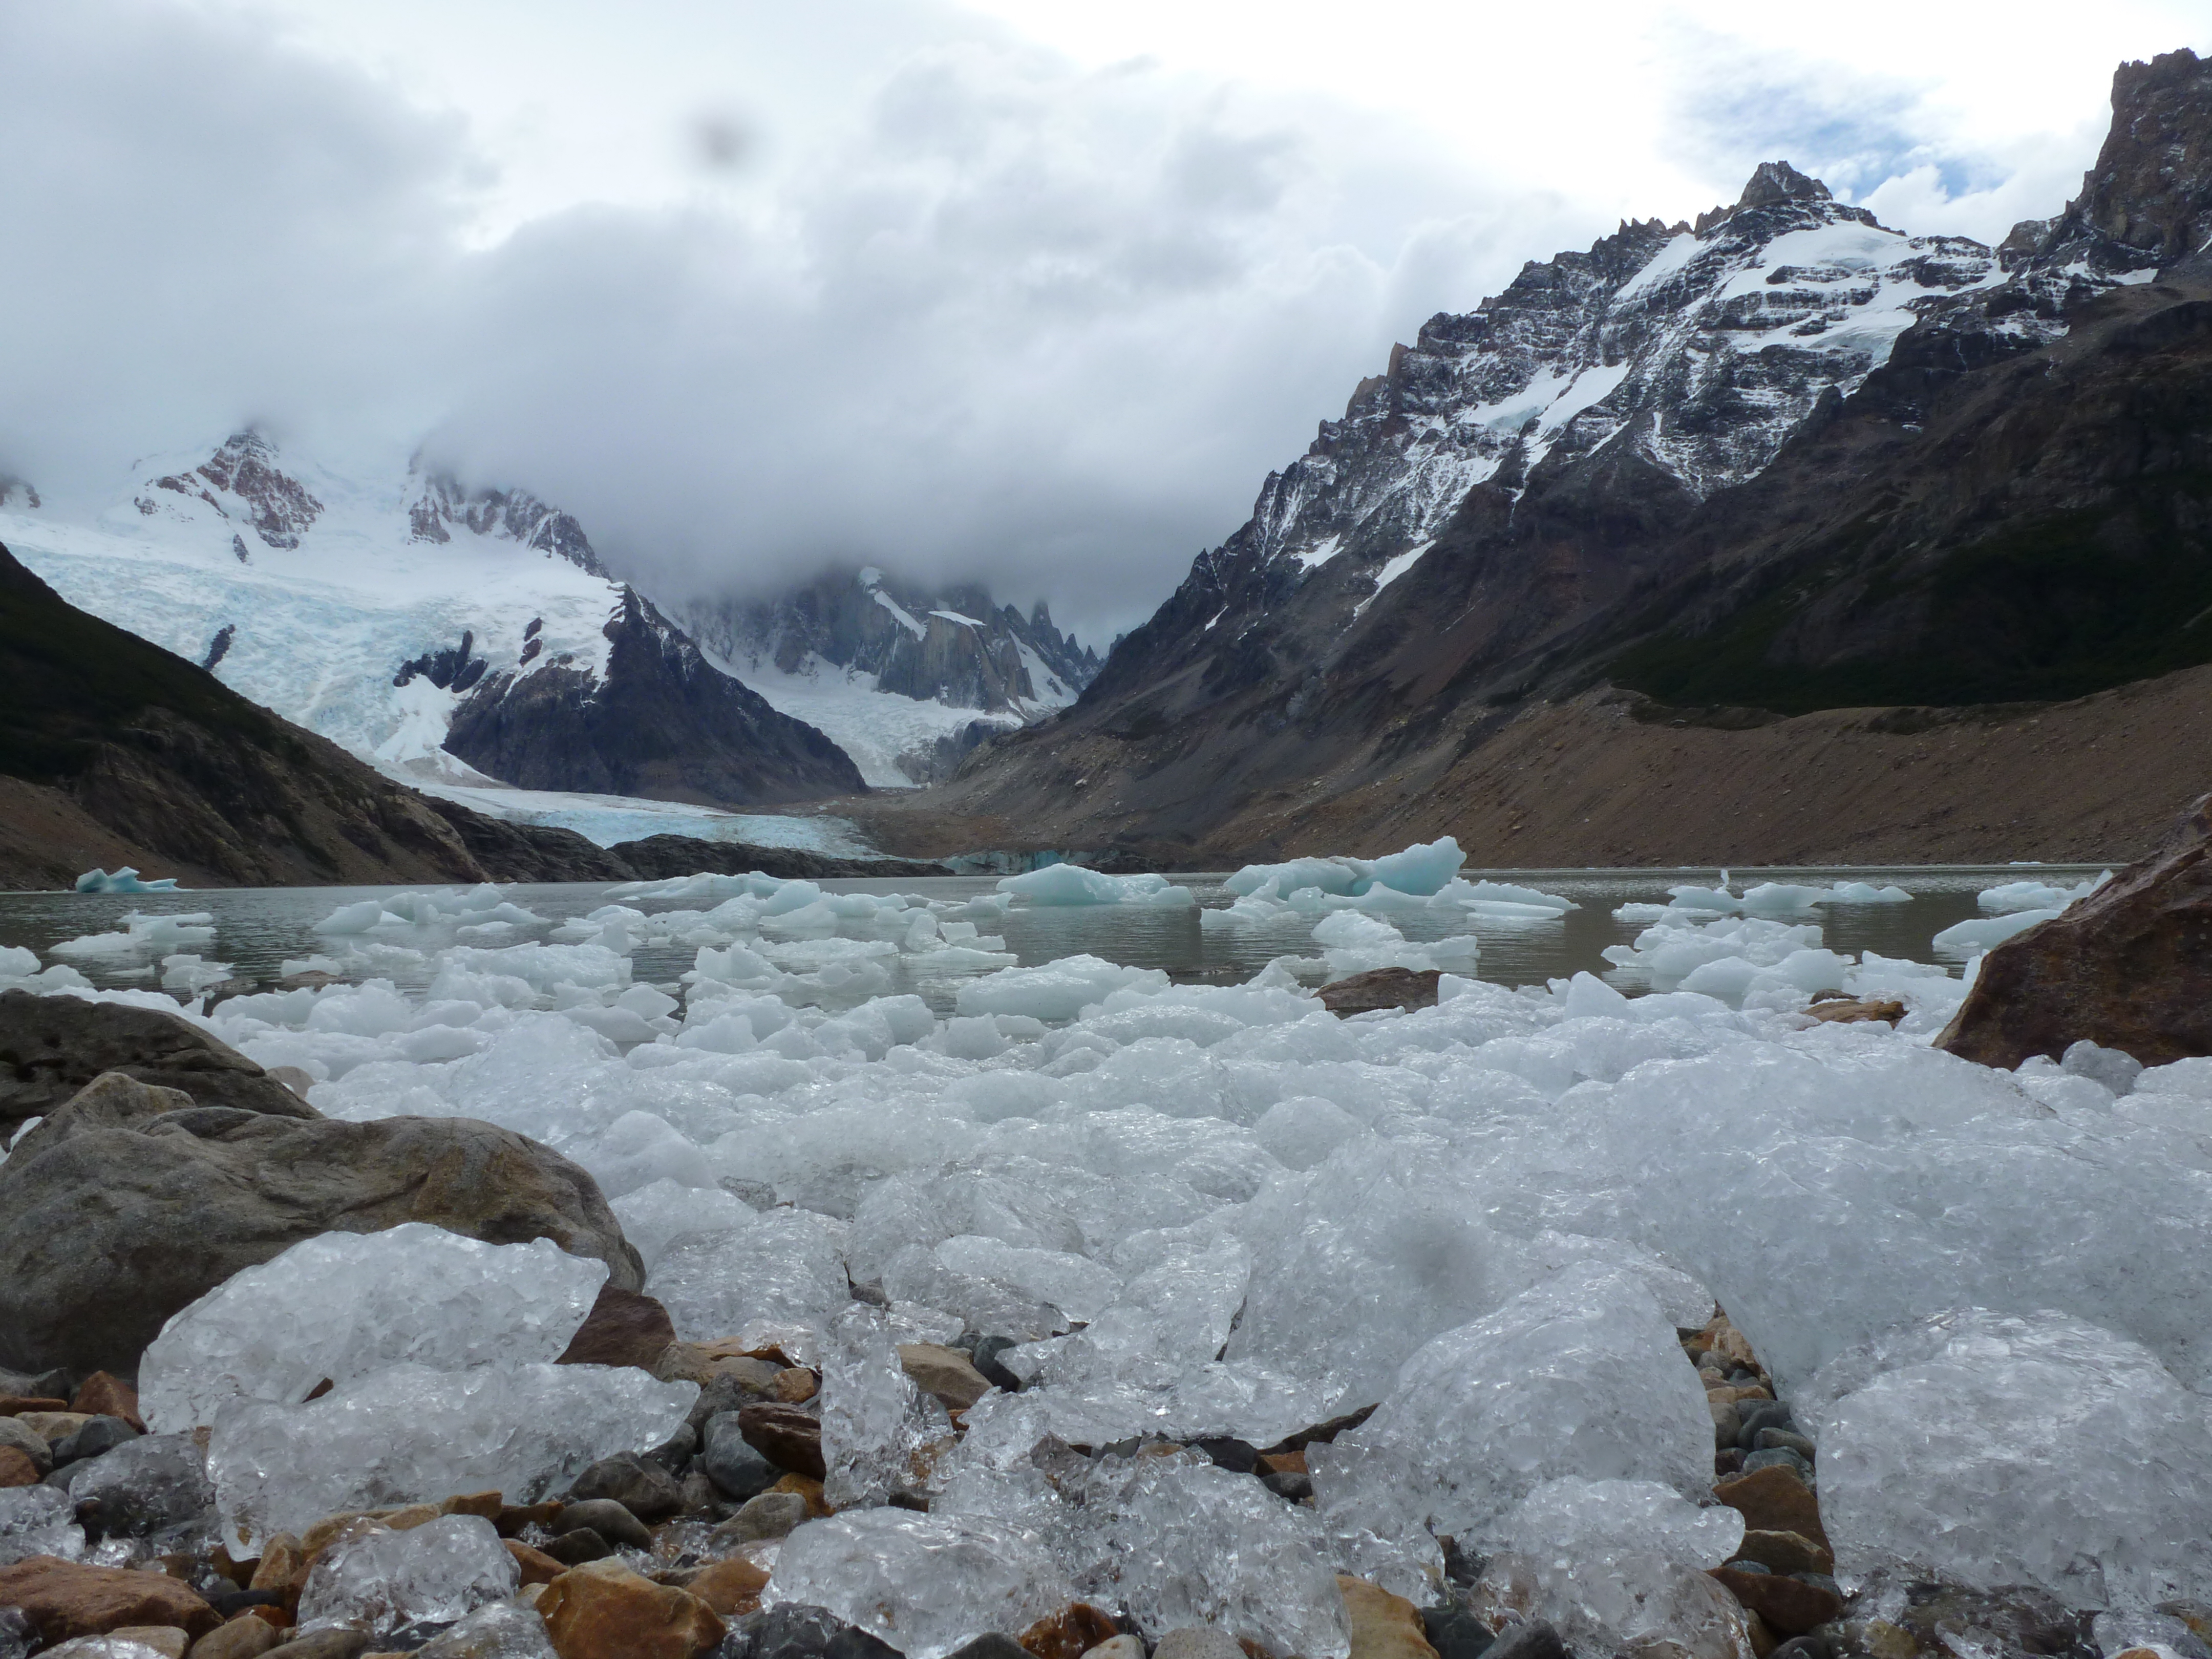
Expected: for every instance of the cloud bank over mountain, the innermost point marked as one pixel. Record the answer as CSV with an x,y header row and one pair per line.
x,y
748,293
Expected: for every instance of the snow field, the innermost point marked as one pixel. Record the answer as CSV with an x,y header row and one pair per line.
x,y
1218,1210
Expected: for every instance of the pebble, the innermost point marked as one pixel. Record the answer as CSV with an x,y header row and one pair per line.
x,y
990,1645
787,1437
323,1644
611,1520
167,1640
574,1549
1785,1551
1780,1457
535,1565
645,1489
623,1328
102,1395
245,1638
1116,1647
17,1468
608,1612
1533,1640
1790,1607
771,1515
1784,1440
1753,1418
731,1588
1727,1422
1383,1625
789,1632
733,1461
1069,1634
988,1366
1198,1642
66,1599
1454,1632
51,1426
1774,1500
947,1373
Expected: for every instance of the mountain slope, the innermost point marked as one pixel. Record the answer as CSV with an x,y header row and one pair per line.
x,y
113,751
1632,450
376,605
907,679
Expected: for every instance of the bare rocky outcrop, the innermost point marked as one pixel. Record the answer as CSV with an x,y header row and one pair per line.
x,y
132,1200
2124,968
50,1047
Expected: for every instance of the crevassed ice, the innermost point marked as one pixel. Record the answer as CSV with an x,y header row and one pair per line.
x,y
341,1304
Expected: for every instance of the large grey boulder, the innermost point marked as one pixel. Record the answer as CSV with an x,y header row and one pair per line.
x,y
51,1046
130,1202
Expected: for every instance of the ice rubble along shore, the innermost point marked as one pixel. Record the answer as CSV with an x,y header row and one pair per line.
x,y
1177,1301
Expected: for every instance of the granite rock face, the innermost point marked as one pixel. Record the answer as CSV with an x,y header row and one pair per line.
x,y
131,1201
2122,968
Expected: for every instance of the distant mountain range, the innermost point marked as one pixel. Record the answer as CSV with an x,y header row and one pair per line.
x,y
452,636
1780,459
833,650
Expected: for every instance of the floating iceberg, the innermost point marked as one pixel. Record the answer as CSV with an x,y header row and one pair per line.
x,y
126,881
1071,883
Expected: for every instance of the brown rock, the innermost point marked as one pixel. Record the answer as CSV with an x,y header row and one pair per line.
x,y
1790,1605
1786,1552
51,1427
2122,968
623,1328
946,1372
538,1567
1773,1499
619,1615
325,1644
731,1588
795,1384
15,1405
809,1490
1764,1640
1856,1010
17,1468
1293,1461
282,1559
243,1638
66,1598
110,1222
165,1639
101,1395
1383,1625
56,1045
484,1505
784,1434
1070,1633
1380,988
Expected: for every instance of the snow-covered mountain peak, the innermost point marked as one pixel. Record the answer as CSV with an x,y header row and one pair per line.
x,y
439,504
244,484
1695,349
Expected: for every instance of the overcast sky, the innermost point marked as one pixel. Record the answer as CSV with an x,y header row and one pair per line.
x,y
1024,290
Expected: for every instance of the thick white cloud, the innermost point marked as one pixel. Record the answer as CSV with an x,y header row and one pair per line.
x,y
752,287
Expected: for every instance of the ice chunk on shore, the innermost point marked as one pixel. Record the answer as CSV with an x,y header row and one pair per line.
x,y
780,1273
923,1584
1574,1377
340,1305
1618,1566
437,1572
1071,883
876,1426
410,1434
38,1520
2035,1449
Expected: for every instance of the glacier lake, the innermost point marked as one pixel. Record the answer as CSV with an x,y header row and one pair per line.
x,y
258,930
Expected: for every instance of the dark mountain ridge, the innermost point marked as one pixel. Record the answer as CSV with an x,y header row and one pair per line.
x,y
1780,461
